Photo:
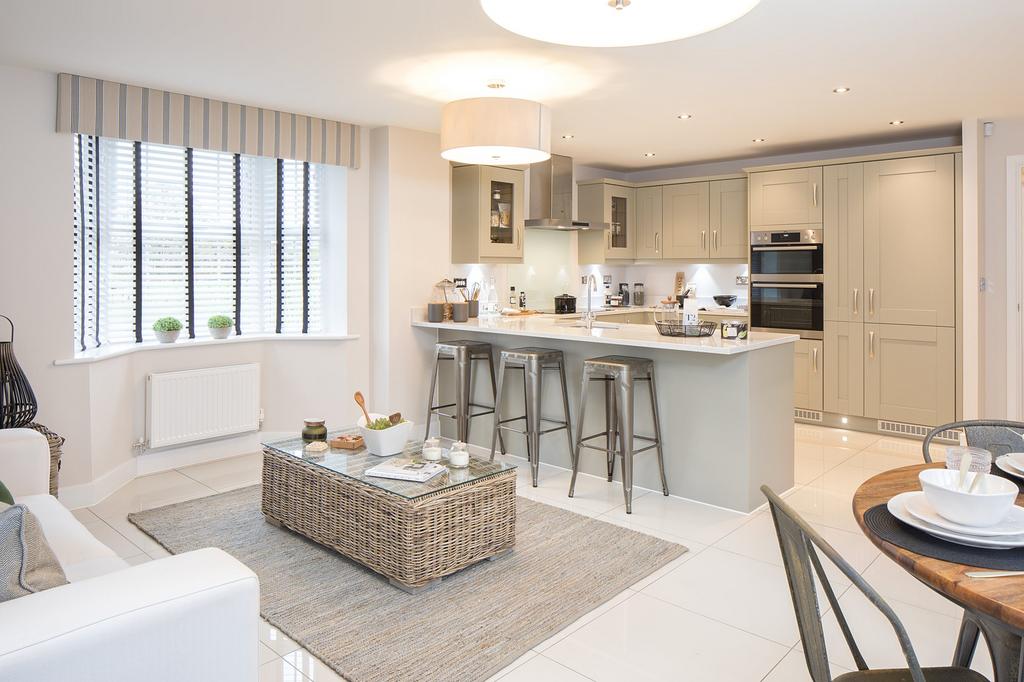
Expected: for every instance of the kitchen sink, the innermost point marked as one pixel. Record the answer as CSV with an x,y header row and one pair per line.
x,y
588,324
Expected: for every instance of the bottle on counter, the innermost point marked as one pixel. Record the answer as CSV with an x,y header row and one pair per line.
x,y
512,298
638,293
624,292
522,300
491,298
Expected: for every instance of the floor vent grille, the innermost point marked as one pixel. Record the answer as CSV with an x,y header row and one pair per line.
x,y
901,429
807,415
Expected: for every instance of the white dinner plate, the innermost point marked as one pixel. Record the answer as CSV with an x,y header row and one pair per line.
x,y
897,507
1012,524
1005,465
1015,460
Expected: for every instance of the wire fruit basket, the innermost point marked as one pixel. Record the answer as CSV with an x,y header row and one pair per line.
x,y
668,326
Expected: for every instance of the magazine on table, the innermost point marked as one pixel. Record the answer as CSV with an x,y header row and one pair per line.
x,y
404,469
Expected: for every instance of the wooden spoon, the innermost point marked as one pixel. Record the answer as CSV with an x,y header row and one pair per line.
x,y
362,406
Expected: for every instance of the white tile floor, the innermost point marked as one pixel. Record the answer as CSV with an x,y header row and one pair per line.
x,y
720,612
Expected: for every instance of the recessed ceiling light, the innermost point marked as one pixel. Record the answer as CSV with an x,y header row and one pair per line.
x,y
496,84
568,137
649,155
758,139
614,23
684,117
841,90
896,123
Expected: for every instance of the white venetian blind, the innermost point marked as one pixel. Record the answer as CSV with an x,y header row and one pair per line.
x,y
164,236
117,248
213,183
235,241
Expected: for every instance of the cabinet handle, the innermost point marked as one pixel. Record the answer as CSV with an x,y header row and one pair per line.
x,y
871,302
814,194
856,301
814,359
871,345
702,233
714,238
657,239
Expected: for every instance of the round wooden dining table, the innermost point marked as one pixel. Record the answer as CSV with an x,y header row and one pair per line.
x,y
993,606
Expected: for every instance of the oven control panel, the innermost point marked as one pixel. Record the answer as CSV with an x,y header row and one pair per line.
x,y
785,237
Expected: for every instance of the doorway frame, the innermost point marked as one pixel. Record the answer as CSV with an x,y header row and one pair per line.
x,y
1014,286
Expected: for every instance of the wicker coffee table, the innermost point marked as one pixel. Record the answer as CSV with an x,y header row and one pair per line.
x,y
412,533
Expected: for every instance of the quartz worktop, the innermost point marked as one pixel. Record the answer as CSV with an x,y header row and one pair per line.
x,y
632,335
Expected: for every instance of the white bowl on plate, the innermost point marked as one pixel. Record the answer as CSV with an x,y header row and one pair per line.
x,y
986,506
384,442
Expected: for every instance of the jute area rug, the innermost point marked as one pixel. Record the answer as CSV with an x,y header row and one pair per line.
x,y
468,627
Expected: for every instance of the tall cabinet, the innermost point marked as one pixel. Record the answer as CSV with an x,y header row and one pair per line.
x,y
890,282
611,203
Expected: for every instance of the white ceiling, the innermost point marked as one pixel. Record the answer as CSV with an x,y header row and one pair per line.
x,y
394,62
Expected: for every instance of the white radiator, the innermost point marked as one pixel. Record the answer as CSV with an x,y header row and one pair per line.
x,y
199,404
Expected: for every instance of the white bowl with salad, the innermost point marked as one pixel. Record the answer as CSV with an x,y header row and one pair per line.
x,y
382,438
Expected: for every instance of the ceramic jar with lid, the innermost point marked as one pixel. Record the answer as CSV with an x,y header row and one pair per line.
x,y
314,428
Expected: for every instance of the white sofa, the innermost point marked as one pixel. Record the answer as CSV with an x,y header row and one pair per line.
x,y
193,616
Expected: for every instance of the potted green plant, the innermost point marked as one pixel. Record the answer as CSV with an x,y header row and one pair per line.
x,y
167,329
220,326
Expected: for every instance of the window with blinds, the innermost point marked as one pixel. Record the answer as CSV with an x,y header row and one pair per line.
x,y
163,231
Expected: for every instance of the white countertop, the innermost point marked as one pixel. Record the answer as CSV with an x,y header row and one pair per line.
x,y
633,335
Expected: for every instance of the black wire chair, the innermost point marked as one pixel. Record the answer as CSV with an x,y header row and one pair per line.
x,y
800,545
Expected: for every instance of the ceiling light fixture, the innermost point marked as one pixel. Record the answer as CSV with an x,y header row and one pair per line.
x,y
568,137
495,131
897,122
684,117
496,84
841,90
649,155
615,23
758,139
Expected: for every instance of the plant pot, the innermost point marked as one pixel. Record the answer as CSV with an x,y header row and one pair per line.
x,y
168,337
220,332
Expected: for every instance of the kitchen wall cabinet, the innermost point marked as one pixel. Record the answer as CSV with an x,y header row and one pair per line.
x,y
730,237
649,223
487,214
843,234
909,235
611,203
844,368
808,370
686,216
785,197
909,373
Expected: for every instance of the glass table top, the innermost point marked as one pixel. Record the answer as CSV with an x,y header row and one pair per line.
x,y
354,463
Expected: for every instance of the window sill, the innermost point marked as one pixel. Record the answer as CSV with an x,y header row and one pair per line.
x,y
107,352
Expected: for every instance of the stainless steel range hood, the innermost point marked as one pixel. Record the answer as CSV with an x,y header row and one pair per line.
x,y
551,197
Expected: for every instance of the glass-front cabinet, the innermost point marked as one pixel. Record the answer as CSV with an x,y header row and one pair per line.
x,y
607,202
487,214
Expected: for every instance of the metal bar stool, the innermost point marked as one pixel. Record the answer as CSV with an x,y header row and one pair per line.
x,y
464,354
619,373
533,362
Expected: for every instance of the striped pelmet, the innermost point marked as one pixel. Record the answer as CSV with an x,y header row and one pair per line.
x,y
107,109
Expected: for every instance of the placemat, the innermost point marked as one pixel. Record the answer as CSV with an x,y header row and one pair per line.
x,y
886,526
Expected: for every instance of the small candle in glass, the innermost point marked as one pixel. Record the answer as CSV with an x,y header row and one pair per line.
x,y
458,456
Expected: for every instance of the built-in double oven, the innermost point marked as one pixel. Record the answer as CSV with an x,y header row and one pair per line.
x,y
787,282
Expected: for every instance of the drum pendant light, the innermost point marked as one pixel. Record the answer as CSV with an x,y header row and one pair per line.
x,y
613,23
495,131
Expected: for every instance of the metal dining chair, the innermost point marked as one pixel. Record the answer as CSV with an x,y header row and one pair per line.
x,y
999,437
800,545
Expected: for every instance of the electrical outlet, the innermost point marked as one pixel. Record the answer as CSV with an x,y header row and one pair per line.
x,y
982,284
583,279
742,280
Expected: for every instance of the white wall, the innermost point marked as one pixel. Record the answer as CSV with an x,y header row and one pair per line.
x,y
99,407
410,194
1006,140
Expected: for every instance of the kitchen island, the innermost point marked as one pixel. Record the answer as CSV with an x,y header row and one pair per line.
x,y
726,406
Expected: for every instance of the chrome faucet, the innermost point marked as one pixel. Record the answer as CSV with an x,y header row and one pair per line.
x,y
591,289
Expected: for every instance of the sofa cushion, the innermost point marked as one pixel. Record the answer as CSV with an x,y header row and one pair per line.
x,y
80,554
27,564
5,494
